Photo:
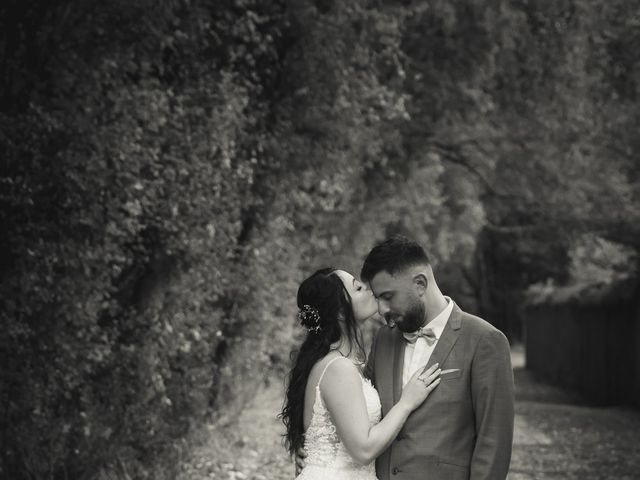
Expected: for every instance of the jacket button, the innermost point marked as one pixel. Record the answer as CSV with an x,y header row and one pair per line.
x,y
395,470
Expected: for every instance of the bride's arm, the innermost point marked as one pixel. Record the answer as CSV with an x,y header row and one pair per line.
x,y
341,390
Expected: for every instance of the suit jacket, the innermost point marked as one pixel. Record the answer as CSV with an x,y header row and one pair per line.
x,y
464,430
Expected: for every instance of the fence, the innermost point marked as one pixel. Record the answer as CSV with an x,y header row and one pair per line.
x,y
594,349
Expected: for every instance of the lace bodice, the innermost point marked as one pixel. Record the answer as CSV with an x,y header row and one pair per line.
x,y
325,450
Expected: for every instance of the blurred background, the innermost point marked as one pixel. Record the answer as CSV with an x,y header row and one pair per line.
x,y
172,169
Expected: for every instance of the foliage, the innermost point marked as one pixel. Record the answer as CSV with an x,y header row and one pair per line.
x,y
534,100
599,271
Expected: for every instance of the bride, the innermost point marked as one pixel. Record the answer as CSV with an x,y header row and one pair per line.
x,y
330,408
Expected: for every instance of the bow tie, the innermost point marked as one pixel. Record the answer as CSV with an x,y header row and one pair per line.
x,y
427,333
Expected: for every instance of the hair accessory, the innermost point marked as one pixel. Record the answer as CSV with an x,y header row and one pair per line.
x,y
310,318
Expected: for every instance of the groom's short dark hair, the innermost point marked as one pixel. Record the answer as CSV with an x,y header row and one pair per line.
x,y
393,255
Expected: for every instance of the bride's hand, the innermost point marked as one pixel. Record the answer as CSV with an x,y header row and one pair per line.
x,y
301,454
420,386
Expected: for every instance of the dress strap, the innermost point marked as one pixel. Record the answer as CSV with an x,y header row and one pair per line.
x,y
327,366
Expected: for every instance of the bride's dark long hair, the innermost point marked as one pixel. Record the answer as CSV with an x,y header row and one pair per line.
x,y
325,292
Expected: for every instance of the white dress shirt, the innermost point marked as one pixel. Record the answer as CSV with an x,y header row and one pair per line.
x,y
416,355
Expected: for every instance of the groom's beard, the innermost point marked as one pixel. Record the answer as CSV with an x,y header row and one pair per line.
x,y
411,321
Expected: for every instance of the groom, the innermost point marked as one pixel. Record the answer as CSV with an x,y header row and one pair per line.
x,y
464,429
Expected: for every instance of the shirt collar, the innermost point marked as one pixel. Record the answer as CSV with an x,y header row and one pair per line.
x,y
440,321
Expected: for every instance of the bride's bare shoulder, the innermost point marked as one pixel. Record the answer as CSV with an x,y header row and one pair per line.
x,y
338,369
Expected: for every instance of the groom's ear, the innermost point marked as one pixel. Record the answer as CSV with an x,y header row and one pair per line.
x,y
421,283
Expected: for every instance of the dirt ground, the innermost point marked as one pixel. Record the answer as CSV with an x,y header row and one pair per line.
x,y
557,436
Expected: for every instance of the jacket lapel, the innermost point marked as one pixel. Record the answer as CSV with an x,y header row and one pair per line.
x,y
398,363
386,366
448,338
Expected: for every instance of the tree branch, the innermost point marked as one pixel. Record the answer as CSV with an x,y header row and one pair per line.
x,y
453,154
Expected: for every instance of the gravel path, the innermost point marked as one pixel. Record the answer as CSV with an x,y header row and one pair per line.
x,y
556,437
572,441
252,450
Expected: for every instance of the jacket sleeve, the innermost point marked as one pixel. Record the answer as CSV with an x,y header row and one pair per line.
x,y
492,393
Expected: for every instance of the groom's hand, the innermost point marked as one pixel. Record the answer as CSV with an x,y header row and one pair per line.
x,y
301,454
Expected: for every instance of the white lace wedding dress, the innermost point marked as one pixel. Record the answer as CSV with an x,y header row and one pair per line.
x,y
327,457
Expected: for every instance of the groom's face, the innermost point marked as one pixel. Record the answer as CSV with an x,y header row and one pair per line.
x,y
398,300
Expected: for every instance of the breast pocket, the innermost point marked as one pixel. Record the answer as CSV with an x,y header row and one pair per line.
x,y
450,374
452,385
